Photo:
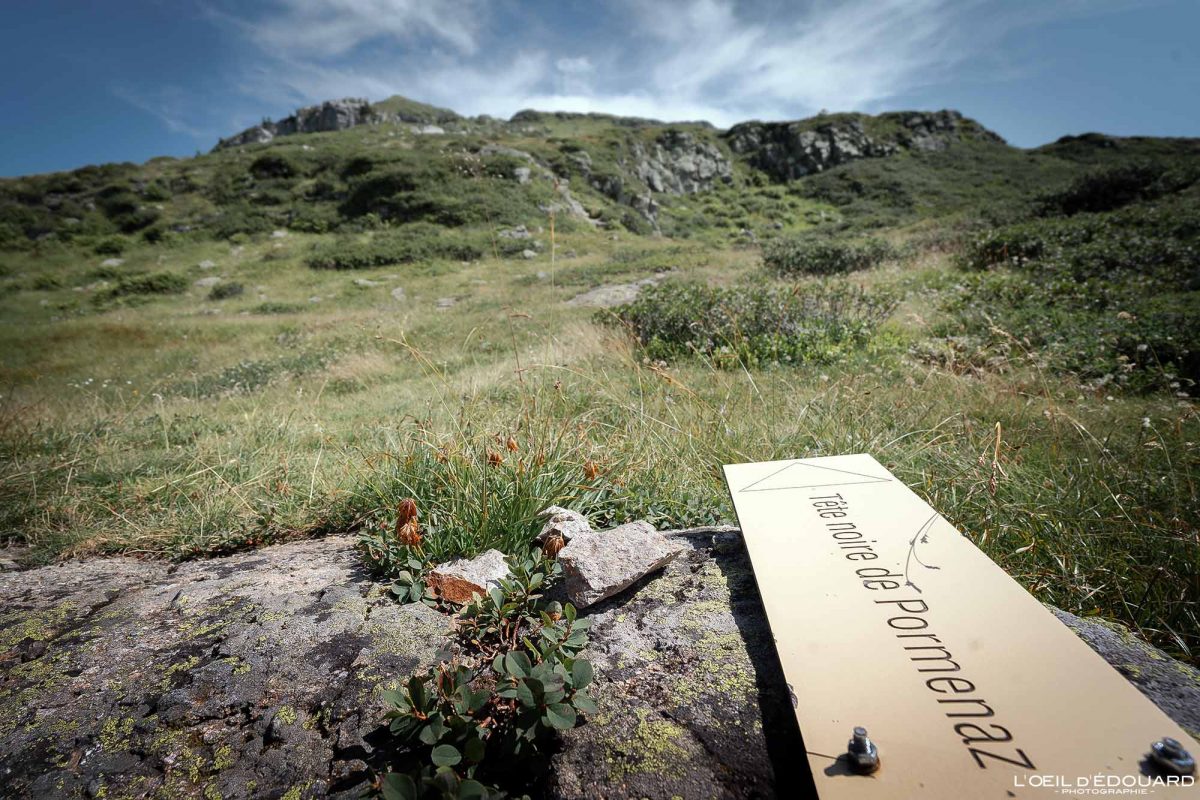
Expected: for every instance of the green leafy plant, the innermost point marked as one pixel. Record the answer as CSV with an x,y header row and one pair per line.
x,y
467,724
817,255
223,291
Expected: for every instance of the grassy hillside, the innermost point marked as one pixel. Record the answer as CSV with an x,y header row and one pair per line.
x,y
280,340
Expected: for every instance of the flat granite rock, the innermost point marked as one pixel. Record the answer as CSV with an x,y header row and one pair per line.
x,y
256,676
600,564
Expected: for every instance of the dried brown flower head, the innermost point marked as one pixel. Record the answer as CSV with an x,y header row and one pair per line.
x,y
494,458
512,445
409,533
553,544
590,469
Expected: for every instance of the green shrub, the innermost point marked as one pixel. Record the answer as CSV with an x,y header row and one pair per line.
x,y
1116,187
404,245
815,255
1146,242
273,165
272,307
223,291
45,283
754,324
154,283
125,209
111,246
1112,298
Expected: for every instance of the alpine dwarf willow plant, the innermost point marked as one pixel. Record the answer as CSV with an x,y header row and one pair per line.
x,y
479,720
816,255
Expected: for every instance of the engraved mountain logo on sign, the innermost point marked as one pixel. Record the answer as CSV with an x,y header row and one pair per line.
x,y
803,475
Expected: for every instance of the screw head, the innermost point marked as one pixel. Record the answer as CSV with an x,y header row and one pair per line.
x,y
1171,756
862,752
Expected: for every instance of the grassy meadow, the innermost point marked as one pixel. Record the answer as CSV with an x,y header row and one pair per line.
x,y
141,413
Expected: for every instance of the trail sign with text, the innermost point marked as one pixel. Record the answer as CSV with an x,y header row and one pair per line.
x,y
887,618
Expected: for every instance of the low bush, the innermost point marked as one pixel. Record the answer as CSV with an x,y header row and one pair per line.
x,y
1112,298
273,165
275,307
110,246
1116,187
815,255
151,284
403,245
1157,243
755,324
223,291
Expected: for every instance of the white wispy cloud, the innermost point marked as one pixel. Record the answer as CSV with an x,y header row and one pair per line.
x,y
320,29
170,105
671,59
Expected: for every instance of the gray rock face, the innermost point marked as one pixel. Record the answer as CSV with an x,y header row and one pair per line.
x,y
456,581
1173,686
599,564
332,115
255,676
679,163
788,150
248,676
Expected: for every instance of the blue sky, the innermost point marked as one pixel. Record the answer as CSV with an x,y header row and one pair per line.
x,y
89,82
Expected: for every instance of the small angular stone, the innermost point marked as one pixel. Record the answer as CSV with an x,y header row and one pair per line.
x,y
562,522
600,564
456,581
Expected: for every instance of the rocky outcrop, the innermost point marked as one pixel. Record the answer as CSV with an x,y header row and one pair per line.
x,y
529,116
679,163
332,115
256,676
789,150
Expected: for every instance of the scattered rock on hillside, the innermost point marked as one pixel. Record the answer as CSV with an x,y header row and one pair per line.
x,y
112,262
456,581
614,294
599,564
366,283
519,232
207,283
528,254
206,264
398,294
446,302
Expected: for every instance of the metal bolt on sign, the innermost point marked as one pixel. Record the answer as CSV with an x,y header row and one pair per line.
x,y
864,755
1169,754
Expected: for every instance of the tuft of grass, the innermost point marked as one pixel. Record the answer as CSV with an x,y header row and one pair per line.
x,y
475,491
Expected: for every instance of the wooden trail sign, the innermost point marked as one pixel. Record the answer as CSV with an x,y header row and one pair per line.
x,y
886,617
